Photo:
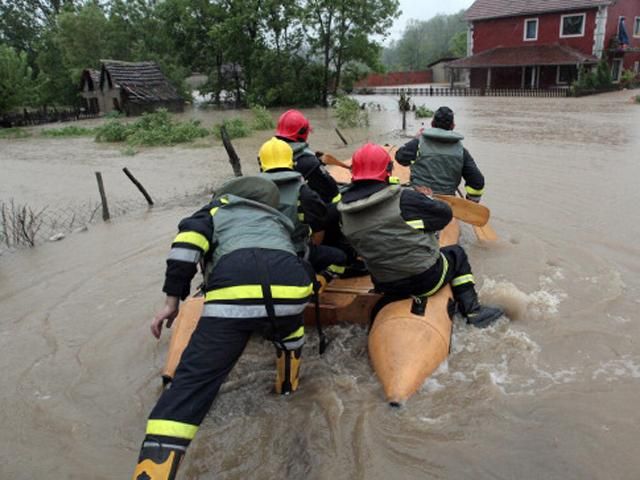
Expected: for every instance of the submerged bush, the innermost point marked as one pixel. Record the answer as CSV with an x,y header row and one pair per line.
x,y
152,129
70,131
14,132
262,119
637,98
235,127
423,112
350,114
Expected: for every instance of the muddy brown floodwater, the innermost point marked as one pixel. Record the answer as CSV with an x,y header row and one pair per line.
x,y
550,393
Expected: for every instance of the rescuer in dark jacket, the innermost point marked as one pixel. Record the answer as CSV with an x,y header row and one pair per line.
x,y
293,127
302,205
394,230
254,281
439,161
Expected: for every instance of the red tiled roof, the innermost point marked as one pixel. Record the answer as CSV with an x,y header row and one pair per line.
x,y
485,9
524,56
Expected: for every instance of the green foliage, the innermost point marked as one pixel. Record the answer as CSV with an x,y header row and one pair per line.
x,y
424,42
70,131
262,119
598,79
637,98
14,133
404,103
458,44
17,87
236,128
349,113
629,79
423,112
152,129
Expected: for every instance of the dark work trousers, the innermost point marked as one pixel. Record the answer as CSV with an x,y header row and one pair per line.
x,y
321,257
426,281
214,348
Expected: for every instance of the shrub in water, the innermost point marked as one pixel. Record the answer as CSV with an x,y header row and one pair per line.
x,y
14,132
152,129
423,112
235,127
70,131
262,119
350,114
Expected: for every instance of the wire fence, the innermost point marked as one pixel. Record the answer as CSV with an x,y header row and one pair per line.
x,y
23,226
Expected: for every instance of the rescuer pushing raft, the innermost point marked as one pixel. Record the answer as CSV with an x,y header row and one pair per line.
x,y
254,281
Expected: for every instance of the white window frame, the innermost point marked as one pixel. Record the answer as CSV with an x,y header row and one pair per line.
x,y
615,60
636,27
524,34
584,22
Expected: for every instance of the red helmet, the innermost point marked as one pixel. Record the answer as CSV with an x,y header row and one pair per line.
x,y
371,162
293,126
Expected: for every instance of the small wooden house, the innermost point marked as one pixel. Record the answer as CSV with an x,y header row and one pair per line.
x,y
137,87
90,91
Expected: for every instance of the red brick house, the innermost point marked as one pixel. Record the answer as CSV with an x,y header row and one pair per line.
x,y
545,43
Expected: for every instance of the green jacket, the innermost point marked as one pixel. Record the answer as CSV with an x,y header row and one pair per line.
x,y
289,184
439,162
241,223
391,248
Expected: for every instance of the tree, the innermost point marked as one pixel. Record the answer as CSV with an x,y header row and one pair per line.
x,y
340,31
458,44
17,87
424,42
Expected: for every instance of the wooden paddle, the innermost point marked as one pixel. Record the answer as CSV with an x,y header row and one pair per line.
x,y
466,210
485,232
329,159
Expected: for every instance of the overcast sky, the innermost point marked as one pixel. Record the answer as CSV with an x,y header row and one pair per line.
x,y
424,10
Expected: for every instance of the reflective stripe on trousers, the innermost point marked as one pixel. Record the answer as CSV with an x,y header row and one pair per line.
x,y
228,310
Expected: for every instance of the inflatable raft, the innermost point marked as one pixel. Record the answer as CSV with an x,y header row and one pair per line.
x,y
404,348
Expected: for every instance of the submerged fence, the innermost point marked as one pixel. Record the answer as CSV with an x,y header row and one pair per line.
x,y
466,92
39,117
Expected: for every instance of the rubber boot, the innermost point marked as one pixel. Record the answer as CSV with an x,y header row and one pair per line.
x,y
287,370
477,315
158,461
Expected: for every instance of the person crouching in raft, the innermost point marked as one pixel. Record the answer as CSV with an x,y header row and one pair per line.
x,y
303,206
254,281
394,229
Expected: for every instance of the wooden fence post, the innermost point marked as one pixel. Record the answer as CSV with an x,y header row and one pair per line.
x,y
103,197
234,159
139,185
341,137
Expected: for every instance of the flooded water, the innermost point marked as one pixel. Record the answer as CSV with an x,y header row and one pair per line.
x,y
550,393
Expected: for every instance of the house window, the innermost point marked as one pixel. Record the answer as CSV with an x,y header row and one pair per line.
x,y
530,29
572,25
566,74
636,27
616,69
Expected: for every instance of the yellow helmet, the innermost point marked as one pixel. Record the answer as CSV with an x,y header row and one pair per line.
x,y
275,153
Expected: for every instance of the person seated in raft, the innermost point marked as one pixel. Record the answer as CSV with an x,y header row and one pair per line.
x,y
254,282
439,161
303,206
394,229
294,128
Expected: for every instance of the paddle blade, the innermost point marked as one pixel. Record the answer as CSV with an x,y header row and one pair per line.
x,y
466,210
329,159
485,233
